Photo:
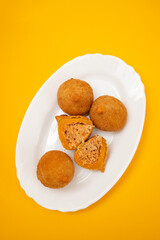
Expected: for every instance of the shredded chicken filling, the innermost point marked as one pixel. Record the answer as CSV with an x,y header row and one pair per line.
x,y
90,152
76,133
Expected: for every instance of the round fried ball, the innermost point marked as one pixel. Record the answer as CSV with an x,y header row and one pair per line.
x,y
75,97
55,169
108,113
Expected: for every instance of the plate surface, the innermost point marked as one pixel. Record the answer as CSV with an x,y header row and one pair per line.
x,y
107,75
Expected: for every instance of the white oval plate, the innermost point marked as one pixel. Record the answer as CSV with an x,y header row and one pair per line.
x,y
107,75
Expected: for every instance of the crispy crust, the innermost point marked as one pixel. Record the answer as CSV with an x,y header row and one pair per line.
x,y
84,155
108,113
75,97
77,128
55,169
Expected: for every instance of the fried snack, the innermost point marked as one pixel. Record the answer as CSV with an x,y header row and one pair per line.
x,y
92,154
55,169
73,130
75,97
108,113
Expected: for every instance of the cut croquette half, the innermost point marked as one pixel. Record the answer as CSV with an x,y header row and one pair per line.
x,y
73,130
92,154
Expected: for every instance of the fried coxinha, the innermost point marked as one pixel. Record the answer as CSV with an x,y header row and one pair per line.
x,y
108,113
55,169
73,130
75,97
92,154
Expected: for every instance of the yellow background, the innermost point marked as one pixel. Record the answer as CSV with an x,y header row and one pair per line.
x,y
37,37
